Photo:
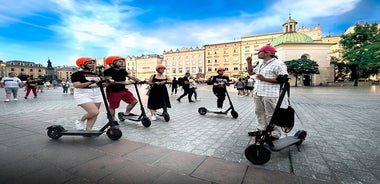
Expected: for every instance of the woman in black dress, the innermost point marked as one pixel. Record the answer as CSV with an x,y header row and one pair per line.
x,y
158,95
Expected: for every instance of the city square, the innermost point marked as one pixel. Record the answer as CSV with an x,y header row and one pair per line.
x,y
341,145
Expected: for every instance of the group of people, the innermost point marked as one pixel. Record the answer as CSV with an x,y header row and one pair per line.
x,y
244,86
88,96
12,83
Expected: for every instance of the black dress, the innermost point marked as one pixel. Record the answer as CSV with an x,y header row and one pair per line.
x,y
158,96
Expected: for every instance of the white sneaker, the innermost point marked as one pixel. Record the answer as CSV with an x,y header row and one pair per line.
x,y
15,99
79,125
219,110
6,100
153,118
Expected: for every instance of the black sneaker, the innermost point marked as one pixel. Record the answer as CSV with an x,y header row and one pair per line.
x,y
178,100
252,133
191,100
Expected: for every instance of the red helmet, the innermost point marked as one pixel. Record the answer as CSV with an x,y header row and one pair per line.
x,y
111,59
220,68
159,66
82,60
267,48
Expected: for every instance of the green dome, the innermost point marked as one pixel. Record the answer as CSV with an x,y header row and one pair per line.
x,y
292,38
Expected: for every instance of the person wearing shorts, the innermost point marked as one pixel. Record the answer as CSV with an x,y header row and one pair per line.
x,y
11,85
116,91
86,92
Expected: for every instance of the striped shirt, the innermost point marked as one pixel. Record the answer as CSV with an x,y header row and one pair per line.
x,y
11,82
271,69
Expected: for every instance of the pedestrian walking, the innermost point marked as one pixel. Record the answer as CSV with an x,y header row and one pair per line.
x,y
186,88
193,87
266,90
174,86
239,85
11,83
31,85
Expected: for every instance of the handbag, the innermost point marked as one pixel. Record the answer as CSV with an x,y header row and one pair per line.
x,y
284,117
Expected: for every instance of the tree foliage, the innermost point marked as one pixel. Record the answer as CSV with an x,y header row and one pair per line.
x,y
362,50
298,67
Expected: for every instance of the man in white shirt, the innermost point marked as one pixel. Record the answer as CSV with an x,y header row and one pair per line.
x,y
266,90
11,85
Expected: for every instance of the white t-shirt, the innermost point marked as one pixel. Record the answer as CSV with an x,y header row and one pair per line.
x,y
11,82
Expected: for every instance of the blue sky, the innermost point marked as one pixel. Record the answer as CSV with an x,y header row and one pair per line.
x,y
63,30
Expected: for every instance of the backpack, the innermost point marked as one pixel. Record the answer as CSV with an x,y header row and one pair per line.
x,y
181,81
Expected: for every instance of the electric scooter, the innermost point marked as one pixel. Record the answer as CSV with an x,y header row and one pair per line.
x,y
142,117
113,132
234,114
260,152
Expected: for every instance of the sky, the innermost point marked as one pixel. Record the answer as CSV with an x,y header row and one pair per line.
x,y
64,30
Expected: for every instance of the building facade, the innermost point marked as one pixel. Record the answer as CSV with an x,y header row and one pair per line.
x,y
25,68
179,62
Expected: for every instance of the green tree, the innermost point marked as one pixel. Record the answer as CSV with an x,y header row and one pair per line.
x,y
362,50
341,69
298,67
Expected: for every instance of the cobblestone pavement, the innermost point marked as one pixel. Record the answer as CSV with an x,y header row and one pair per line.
x,y
342,145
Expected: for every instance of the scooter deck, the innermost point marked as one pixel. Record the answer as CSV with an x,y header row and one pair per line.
x,y
284,142
81,132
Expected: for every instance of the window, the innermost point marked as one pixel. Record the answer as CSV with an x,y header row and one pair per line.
x,y
22,69
31,70
208,61
216,60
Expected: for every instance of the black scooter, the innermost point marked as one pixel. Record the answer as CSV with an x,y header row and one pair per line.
x,y
113,131
259,152
142,117
234,114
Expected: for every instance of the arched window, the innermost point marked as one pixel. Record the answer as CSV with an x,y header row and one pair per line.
x,y
306,56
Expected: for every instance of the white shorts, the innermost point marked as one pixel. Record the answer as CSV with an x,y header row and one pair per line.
x,y
86,95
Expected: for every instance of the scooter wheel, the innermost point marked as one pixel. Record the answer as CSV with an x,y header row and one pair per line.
x,y
166,117
234,114
120,115
114,133
202,111
54,133
257,154
145,121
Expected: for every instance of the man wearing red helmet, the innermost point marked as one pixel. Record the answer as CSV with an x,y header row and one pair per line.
x,y
219,83
116,90
266,90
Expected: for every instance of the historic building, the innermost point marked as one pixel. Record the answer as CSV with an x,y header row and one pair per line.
x,y
179,62
294,45
64,72
226,55
25,68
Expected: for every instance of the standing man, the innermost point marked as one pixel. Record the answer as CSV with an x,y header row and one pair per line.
x,y
11,85
174,86
266,90
186,88
116,90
